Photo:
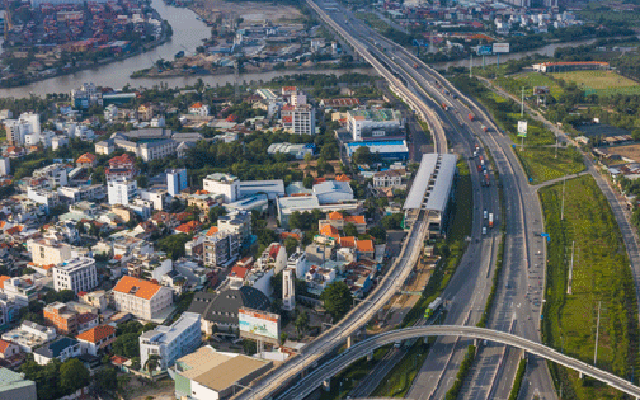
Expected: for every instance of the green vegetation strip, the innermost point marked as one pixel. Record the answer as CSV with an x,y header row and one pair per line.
x,y
348,379
601,274
517,383
398,381
465,368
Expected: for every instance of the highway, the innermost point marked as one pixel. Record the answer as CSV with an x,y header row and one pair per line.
x,y
518,301
362,349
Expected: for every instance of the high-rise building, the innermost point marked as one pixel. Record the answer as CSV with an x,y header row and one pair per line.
x,y
299,119
288,290
17,129
122,191
176,180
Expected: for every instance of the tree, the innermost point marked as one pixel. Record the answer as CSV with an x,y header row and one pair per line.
x,y
291,244
392,222
362,155
127,345
106,380
350,230
337,299
73,375
215,213
302,321
379,233
173,245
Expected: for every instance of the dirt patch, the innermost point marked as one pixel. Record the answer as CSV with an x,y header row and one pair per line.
x,y
631,151
249,11
139,390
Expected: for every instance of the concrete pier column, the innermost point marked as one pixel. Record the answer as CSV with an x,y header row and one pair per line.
x,y
349,341
327,385
580,375
369,357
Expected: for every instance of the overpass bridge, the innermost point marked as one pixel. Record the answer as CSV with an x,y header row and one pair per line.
x,y
322,375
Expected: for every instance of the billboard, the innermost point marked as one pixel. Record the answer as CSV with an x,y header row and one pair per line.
x,y
259,325
484,50
501,47
522,128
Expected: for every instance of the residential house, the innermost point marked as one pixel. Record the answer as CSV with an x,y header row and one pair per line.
x,y
87,160
98,338
62,349
30,335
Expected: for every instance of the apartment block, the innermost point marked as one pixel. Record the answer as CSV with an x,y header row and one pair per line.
x,y
299,119
48,251
63,318
77,274
220,249
169,343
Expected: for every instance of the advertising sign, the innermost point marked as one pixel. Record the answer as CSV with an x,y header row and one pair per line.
x,y
501,47
522,128
484,50
259,325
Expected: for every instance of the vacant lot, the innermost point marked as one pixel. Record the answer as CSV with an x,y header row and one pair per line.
x,y
631,151
601,274
514,84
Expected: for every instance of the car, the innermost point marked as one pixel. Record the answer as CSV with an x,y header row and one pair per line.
x,y
484,230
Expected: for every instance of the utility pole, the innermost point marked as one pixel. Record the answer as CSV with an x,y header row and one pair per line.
x,y
564,181
571,268
595,351
522,106
556,153
470,63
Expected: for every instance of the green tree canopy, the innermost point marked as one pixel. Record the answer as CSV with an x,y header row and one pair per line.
x,y
337,299
73,375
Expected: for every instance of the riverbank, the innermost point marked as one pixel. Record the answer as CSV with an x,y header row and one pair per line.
x,y
11,84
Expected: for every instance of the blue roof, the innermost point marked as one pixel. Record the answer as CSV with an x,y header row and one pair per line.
x,y
377,143
61,344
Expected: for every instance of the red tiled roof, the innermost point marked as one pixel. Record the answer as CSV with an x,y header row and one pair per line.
x,y
329,230
365,246
94,335
347,241
3,279
355,219
238,272
4,344
86,317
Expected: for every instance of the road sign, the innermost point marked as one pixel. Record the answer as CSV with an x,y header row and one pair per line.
x,y
501,47
484,50
522,128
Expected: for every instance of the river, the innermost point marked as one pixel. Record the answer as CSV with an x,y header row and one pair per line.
x,y
188,32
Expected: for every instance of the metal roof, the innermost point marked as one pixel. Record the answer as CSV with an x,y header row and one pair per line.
x,y
439,193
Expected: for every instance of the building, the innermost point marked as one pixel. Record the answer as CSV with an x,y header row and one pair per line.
x,y
299,119
338,221
122,191
13,386
220,309
77,274
200,109
210,375
157,150
81,193
121,167
28,124
87,160
563,66
48,198
141,298
238,223
433,191
98,338
62,317
331,192
8,349
30,335
97,299
158,197
62,349
48,251
176,181
394,150
220,249
5,166
391,178
19,290
169,343
382,124
55,174
288,205
233,189
288,290
298,151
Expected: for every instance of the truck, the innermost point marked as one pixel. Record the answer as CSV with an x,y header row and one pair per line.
x,y
482,161
444,106
472,117
416,66
490,220
477,147
484,128
486,180
432,307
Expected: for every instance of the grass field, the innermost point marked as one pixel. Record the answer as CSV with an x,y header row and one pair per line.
x,y
601,274
540,163
514,83
605,83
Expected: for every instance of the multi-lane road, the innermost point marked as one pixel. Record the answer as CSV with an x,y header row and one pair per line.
x,y
519,293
